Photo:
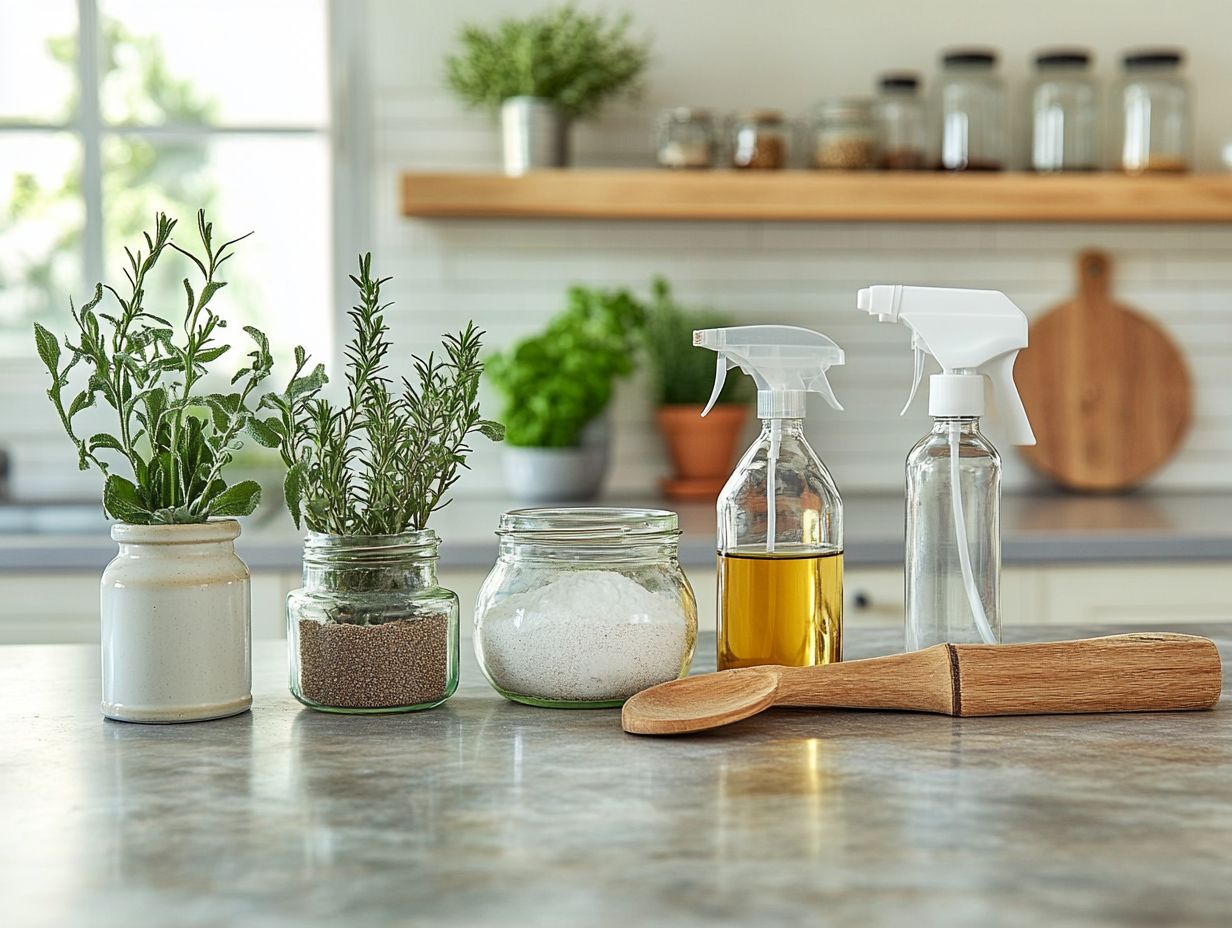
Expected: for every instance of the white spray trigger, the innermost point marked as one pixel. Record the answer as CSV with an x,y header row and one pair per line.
x,y
720,377
918,375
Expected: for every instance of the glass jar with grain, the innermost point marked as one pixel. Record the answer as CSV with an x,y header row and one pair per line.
x,y
1064,112
686,138
901,129
971,109
844,135
1153,97
371,630
759,140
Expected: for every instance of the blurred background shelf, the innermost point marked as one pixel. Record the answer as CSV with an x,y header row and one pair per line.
x,y
812,196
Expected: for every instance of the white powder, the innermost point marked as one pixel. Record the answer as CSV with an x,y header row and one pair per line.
x,y
588,635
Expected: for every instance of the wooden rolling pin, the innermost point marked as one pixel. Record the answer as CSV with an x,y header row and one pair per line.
x,y
1145,672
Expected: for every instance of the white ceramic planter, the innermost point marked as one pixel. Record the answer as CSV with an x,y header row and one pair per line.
x,y
559,475
177,645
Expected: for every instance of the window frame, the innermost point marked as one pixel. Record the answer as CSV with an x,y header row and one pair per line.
x,y
346,132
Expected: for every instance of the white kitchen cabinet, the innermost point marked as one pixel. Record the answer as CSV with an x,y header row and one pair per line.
x,y
876,596
54,606
1144,594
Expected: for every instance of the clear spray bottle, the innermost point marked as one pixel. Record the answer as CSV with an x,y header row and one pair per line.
x,y
953,563
780,518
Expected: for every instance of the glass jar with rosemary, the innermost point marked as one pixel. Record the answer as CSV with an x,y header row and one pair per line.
x,y
371,630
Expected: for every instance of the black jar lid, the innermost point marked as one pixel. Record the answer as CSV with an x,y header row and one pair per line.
x,y
985,57
1153,58
1062,58
899,80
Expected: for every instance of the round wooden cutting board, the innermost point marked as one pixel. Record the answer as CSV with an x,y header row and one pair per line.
x,y
1107,391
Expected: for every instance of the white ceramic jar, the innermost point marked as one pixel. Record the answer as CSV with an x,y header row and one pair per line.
x,y
176,633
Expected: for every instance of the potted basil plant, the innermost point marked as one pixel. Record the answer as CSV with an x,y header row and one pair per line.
x,y
557,387
701,449
371,630
542,73
175,601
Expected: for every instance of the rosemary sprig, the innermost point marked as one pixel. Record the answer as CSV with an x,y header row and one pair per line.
x,y
383,462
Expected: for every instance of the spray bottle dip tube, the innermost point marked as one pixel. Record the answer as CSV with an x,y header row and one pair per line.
x,y
780,518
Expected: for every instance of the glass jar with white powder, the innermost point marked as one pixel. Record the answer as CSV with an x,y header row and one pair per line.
x,y
585,607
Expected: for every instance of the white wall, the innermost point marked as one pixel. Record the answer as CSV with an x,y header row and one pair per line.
x,y
510,275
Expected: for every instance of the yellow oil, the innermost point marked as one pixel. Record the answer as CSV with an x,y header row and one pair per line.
x,y
780,608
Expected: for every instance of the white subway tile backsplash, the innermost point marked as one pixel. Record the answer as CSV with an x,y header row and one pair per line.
x,y
510,276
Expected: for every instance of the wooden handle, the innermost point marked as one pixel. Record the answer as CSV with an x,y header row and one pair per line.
x,y
1144,672
920,681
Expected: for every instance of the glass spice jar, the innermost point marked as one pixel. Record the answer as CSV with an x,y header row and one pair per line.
x,y
844,135
585,607
901,128
371,631
759,140
1064,112
1156,134
971,106
686,138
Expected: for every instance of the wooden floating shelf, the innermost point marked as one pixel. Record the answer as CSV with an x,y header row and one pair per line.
x,y
814,196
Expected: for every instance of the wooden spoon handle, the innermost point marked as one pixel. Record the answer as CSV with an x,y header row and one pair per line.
x,y
1144,672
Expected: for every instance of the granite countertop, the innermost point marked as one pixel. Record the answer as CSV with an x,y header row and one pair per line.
x,y
1039,528
483,812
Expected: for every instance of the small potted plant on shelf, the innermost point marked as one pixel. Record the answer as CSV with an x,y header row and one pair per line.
x,y
372,631
543,73
701,449
175,601
557,387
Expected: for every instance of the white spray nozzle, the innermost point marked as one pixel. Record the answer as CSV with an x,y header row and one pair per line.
x,y
787,362
973,334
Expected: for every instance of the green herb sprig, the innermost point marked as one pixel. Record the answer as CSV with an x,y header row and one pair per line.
x,y
684,374
384,461
577,60
175,441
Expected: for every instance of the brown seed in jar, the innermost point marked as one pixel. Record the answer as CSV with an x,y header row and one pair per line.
x,y
399,663
844,154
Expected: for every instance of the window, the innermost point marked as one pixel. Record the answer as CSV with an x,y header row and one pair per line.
x,y
111,110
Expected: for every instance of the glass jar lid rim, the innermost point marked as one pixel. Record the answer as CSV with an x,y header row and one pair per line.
x,y
417,538
686,113
845,107
1062,57
985,57
597,523
761,116
1153,57
899,80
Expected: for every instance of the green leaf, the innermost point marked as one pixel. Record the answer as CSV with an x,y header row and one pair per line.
x,y
103,440
212,354
81,401
176,515
238,500
306,386
48,349
493,431
265,433
121,500
293,490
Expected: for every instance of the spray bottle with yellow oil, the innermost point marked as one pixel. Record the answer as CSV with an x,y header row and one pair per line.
x,y
780,532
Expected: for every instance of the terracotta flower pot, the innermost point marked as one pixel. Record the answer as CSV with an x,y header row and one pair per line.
x,y
702,450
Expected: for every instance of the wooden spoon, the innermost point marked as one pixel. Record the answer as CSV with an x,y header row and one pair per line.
x,y
1143,672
